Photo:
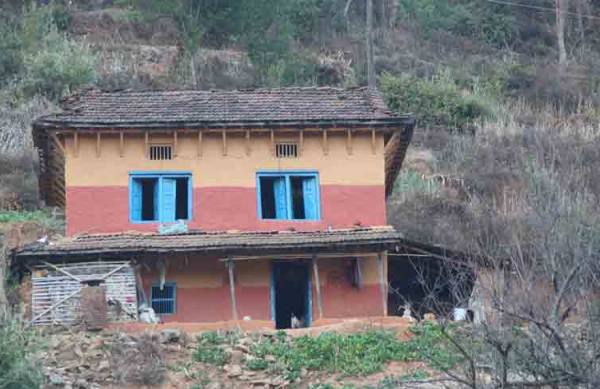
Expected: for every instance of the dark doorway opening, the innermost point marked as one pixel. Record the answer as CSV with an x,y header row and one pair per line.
x,y
291,289
149,198
181,199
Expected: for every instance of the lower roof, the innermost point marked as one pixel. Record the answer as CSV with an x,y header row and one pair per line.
x,y
129,245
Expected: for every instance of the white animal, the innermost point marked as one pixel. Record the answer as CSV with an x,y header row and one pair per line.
x,y
147,314
296,323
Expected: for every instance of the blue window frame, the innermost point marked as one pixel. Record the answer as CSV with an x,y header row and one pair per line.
x,y
160,197
290,195
164,301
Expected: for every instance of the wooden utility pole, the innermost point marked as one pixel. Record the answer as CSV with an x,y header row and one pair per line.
x,y
370,65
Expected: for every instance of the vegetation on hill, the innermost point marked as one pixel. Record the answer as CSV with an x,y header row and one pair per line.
x,y
502,164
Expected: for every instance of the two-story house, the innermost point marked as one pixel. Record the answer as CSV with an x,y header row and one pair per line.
x,y
225,205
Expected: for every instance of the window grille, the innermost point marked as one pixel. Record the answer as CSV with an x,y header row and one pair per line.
x,y
163,301
160,152
286,150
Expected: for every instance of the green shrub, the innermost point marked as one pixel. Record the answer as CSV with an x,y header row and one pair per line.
x,y
18,369
350,354
211,347
490,23
435,102
59,66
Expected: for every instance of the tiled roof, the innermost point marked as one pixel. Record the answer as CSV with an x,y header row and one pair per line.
x,y
230,243
219,108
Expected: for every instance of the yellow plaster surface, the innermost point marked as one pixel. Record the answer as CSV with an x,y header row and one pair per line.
x,y
237,168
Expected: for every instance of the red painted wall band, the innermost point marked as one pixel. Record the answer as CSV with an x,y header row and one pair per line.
x,y
106,209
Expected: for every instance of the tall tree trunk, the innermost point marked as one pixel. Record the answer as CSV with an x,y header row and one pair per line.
x,y
370,65
3,275
562,7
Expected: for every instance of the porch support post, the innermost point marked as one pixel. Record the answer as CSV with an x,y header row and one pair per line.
x,y
382,282
234,310
315,266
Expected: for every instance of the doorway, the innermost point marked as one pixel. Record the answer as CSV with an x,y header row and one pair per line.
x,y
291,294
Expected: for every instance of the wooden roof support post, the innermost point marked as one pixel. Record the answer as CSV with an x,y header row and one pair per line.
x,y
175,143
98,145
301,142
224,135
349,141
234,310
121,144
147,144
315,265
273,142
373,141
382,282
75,144
199,144
325,143
248,148
58,142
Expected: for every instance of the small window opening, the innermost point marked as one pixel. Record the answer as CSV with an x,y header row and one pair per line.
x,y
286,150
160,152
267,192
163,300
149,193
298,197
181,199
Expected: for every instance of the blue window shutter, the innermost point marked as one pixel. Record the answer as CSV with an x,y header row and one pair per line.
x,y
136,200
309,188
156,196
167,203
280,198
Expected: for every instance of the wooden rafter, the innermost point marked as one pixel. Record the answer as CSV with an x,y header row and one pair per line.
x,y
98,144
121,144
199,145
349,141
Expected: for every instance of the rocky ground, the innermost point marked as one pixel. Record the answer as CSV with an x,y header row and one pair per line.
x,y
165,359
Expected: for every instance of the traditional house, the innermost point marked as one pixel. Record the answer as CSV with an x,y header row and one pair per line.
x,y
209,206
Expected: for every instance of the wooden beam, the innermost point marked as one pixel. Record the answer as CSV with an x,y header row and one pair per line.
x,y
373,141
175,143
273,142
301,142
224,136
199,151
315,265
248,145
382,282
58,143
147,144
98,145
121,144
76,144
325,143
234,310
349,141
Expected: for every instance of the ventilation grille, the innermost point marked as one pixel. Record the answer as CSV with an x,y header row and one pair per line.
x,y
286,150
160,152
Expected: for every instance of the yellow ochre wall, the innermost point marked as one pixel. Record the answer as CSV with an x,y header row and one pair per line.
x,y
237,169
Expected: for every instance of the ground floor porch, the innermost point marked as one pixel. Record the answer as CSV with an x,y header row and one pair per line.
x,y
287,290
276,280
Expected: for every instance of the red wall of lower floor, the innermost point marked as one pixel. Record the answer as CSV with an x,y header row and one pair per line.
x,y
212,304
106,209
